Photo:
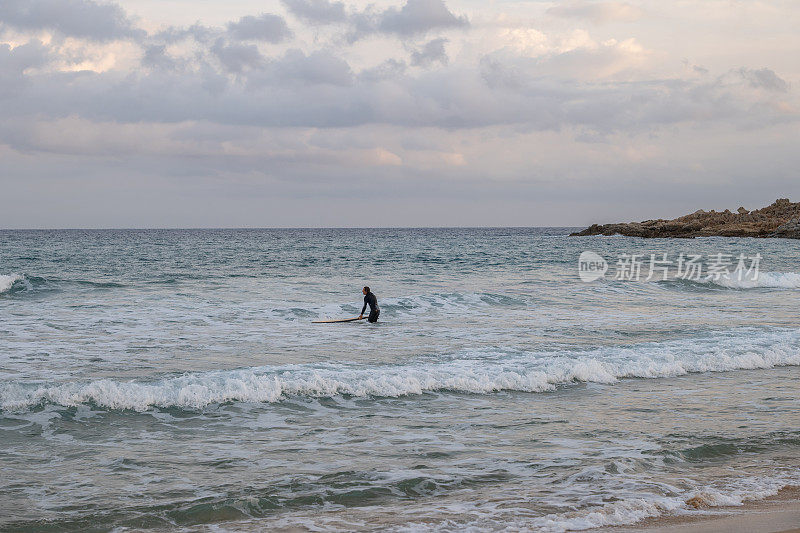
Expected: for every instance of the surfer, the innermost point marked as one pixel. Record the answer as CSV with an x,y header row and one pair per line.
x,y
371,301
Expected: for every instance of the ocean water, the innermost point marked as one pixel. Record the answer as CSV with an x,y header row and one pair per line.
x,y
162,380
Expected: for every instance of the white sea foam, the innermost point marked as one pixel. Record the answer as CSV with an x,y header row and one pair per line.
x,y
265,386
7,281
631,511
476,373
514,514
776,280
452,303
770,280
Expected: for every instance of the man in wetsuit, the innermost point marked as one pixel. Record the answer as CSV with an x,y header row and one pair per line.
x,y
372,302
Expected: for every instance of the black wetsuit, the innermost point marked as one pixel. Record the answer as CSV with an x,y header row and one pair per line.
x,y
374,310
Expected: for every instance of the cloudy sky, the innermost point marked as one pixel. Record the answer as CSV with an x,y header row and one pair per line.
x,y
212,113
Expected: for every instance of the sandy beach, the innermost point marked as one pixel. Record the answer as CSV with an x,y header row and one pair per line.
x,y
776,514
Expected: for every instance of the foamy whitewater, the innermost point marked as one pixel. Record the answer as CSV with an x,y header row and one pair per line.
x,y
8,281
173,379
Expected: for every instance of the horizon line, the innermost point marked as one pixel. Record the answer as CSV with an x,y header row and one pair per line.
x,y
188,228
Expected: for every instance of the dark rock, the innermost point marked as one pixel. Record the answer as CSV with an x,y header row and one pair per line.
x,y
781,219
790,230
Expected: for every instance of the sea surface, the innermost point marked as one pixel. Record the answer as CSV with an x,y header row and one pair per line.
x,y
163,380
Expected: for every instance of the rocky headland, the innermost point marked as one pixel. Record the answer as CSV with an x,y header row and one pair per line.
x,y
781,219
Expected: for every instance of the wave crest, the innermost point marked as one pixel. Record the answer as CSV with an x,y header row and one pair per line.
x,y
774,280
481,373
13,282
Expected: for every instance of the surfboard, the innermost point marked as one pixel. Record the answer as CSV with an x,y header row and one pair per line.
x,y
338,321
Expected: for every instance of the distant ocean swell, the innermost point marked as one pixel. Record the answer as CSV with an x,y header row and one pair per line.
x,y
477,373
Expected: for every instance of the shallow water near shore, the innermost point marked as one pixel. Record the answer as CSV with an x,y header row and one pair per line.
x,y
173,379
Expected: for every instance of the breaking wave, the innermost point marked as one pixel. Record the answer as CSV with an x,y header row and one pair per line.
x,y
476,373
13,282
776,280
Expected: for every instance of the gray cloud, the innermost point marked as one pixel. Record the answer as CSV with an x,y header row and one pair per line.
x,y
319,89
237,57
391,69
274,189
226,81
764,78
74,18
296,72
415,17
155,56
266,27
317,11
13,63
420,16
320,67
29,55
432,52
197,32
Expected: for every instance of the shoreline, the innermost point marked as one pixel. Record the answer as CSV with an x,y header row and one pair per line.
x,y
779,513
